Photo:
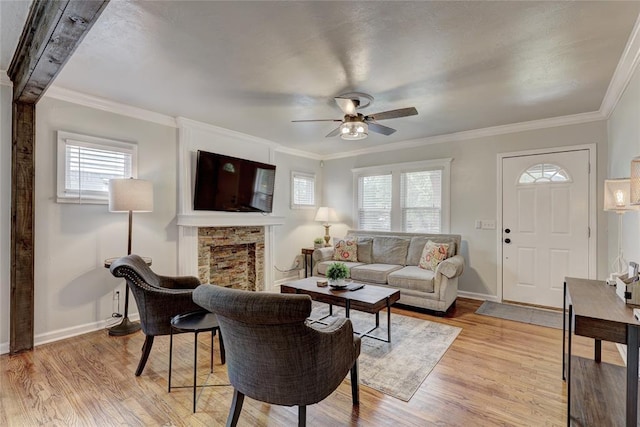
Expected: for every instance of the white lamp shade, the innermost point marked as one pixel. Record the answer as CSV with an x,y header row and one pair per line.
x,y
130,195
325,215
617,195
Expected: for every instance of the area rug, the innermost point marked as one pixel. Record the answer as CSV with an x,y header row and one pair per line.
x,y
518,313
397,368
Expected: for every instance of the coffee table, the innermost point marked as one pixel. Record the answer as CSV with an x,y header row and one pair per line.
x,y
369,299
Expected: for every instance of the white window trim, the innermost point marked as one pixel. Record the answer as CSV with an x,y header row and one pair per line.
x,y
315,190
65,138
395,170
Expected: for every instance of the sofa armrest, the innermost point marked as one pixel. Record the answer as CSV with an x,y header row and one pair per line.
x,y
451,267
322,254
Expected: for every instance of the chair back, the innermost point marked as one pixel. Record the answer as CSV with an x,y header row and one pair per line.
x,y
157,303
272,355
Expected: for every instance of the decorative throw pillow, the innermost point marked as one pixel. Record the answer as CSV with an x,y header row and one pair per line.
x,y
345,250
432,255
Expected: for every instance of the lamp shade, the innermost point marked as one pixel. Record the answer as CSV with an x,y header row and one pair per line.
x,y
617,195
325,215
130,195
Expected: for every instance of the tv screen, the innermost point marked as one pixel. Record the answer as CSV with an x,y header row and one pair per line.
x,y
225,183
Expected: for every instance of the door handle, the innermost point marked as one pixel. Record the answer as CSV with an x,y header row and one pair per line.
x,y
507,240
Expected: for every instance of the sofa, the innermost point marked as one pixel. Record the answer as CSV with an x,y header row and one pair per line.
x,y
397,260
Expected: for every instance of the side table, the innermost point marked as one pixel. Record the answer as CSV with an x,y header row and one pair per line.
x,y
125,327
196,322
307,253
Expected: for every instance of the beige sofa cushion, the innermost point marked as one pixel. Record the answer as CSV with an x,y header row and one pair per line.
x,y
390,250
417,245
323,265
412,277
374,273
365,248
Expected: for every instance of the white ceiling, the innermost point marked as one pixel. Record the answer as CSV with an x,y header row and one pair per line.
x,y
252,67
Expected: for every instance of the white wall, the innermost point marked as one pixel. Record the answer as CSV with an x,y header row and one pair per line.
x,y
73,290
624,144
5,214
473,190
299,228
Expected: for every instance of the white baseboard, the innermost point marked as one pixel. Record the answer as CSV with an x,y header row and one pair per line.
x,y
481,297
65,333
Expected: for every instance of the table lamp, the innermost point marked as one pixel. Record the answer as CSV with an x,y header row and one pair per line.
x,y
325,215
129,195
617,199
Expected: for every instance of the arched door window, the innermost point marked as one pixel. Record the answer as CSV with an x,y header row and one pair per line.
x,y
544,173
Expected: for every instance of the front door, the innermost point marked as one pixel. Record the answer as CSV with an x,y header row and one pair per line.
x,y
545,234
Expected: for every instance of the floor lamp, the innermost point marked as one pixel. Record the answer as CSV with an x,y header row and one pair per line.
x,y
129,195
617,199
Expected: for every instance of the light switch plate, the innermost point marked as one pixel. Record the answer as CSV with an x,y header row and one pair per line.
x,y
488,224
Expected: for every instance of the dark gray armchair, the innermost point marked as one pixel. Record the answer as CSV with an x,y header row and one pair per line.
x,y
158,298
273,355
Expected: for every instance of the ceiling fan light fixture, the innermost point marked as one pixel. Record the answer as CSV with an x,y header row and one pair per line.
x,y
354,130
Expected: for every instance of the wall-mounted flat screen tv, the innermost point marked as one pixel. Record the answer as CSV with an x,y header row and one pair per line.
x,y
230,184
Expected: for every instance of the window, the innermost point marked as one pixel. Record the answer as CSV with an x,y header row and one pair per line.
x,y
303,190
422,201
411,197
544,173
374,207
86,164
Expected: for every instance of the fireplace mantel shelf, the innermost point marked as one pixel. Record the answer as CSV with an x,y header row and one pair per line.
x,y
222,219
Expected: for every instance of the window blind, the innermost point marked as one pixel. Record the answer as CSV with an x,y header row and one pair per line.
x,y
421,201
88,169
375,198
304,190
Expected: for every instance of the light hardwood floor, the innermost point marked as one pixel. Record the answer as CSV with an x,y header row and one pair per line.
x,y
496,373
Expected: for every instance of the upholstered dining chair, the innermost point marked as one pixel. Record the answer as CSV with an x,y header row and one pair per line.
x,y
159,298
273,355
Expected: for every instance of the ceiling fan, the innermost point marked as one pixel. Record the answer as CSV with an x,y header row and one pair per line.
x,y
356,125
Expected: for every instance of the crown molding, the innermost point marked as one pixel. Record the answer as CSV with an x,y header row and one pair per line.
x,y
299,153
623,73
183,122
109,106
477,133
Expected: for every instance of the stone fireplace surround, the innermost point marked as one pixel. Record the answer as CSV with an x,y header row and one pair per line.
x,y
232,257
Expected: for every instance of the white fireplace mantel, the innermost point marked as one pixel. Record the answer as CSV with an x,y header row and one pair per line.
x,y
222,219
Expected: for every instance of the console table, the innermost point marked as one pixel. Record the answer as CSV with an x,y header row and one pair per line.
x,y
595,391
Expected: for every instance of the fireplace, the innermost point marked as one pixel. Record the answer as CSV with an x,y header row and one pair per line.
x,y
232,256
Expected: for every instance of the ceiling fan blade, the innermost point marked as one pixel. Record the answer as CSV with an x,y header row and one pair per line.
x,y
347,105
393,114
317,120
334,132
378,128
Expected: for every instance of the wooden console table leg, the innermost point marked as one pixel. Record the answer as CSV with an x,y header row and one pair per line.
x,y
597,351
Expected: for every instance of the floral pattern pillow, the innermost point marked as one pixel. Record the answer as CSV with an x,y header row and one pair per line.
x,y
432,255
346,250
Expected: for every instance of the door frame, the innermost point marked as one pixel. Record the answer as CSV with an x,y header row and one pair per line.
x,y
592,194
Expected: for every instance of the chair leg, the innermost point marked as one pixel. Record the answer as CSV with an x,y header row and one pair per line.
x,y
222,353
236,407
355,389
302,416
146,349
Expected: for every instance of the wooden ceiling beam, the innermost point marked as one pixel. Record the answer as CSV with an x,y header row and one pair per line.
x,y
53,31
50,36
